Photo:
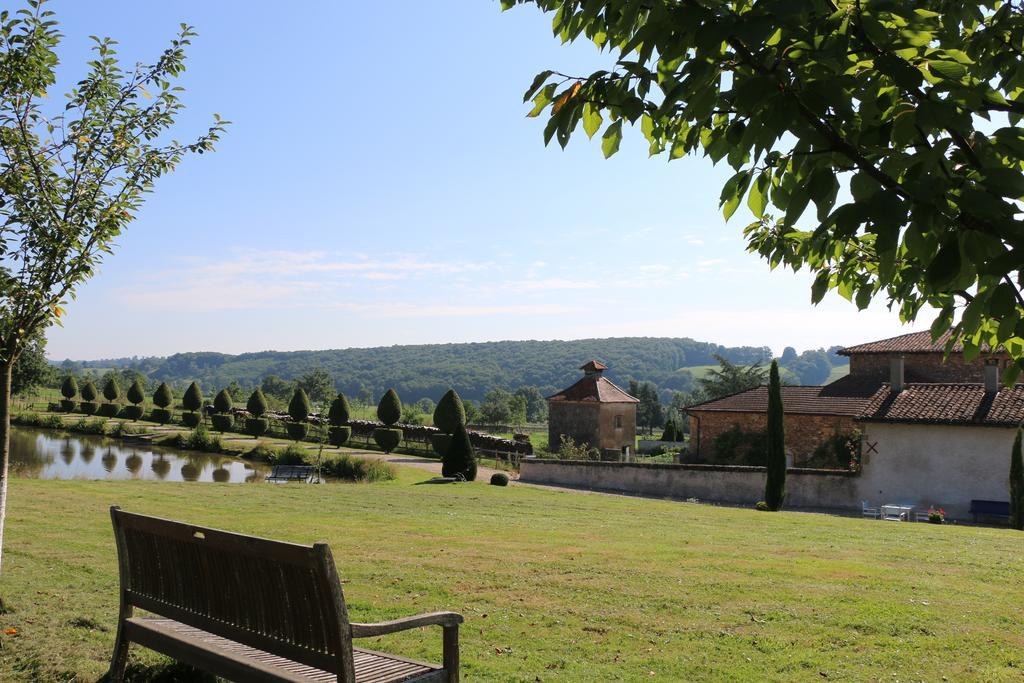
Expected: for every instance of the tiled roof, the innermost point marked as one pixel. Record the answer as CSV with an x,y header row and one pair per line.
x,y
795,401
965,404
915,342
594,388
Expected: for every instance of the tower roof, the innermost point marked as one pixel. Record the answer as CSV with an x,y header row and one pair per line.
x,y
593,366
594,388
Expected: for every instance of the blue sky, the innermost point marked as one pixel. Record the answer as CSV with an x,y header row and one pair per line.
x,y
381,185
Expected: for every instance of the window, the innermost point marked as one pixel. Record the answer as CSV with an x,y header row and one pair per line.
x,y
618,422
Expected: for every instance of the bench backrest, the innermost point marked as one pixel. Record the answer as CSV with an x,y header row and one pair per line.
x,y
275,596
291,471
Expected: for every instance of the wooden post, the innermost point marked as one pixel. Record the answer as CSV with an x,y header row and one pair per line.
x,y
451,653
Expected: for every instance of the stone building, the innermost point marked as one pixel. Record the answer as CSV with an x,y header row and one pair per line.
x,y
595,412
816,414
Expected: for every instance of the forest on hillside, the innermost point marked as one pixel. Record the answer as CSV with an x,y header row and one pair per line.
x,y
428,370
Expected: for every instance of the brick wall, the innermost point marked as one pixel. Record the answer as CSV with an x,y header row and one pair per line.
x,y
592,423
804,433
924,367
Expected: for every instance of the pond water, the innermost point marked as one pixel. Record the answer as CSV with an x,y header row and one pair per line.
x,y
47,454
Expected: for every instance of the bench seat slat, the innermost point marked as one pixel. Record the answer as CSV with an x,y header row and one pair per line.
x,y
236,661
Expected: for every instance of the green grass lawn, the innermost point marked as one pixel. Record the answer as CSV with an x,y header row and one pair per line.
x,y
555,585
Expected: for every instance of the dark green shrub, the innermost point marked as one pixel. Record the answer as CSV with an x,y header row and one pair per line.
x,y
339,435
389,410
340,411
439,442
69,387
354,468
112,390
291,455
136,393
499,479
222,402
1017,484
89,392
191,419
193,398
68,406
163,397
257,426
199,440
109,409
387,439
257,404
261,453
672,433
132,412
738,447
775,482
222,422
161,415
449,413
88,407
459,460
297,430
299,407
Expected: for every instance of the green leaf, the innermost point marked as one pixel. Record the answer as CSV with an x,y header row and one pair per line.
x,y
537,82
945,267
542,100
757,200
592,119
611,139
951,71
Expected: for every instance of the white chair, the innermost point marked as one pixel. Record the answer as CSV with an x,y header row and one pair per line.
x,y
893,513
868,511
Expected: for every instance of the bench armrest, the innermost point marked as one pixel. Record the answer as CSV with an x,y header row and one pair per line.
x,y
446,619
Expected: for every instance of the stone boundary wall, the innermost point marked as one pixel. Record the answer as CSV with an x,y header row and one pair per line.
x,y
739,485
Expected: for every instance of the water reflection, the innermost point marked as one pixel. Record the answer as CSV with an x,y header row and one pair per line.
x,y
46,454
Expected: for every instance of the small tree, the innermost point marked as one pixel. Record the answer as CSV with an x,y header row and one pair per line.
x,y
1017,484
192,401
222,418
68,389
299,409
338,415
89,395
162,399
389,410
136,395
775,482
459,459
256,424
111,392
448,415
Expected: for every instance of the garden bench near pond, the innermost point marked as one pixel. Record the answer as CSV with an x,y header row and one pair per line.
x,y
285,473
252,609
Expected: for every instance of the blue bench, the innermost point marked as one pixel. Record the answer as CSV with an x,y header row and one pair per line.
x,y
990,508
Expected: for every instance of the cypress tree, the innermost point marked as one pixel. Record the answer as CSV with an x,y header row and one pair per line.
x,y
163,397
389,410
136,393
775,482
89,391
340,412
299,409
1017,484
459,459
449,413
193,398
257,404
111,390
69,387
222,403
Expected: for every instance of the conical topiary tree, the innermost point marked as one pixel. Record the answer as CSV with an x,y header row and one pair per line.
x,y
222,418
459,460
191,402
299,409
1017,484
162,398
89,397
111,392
68,389
389,411
136,395
775,482
256,424
338,416
448,415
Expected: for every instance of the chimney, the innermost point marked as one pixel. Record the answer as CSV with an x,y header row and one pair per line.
x,y
593,367
991,376
896,374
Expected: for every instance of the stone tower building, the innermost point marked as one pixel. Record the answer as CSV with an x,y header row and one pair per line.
x,y
594,412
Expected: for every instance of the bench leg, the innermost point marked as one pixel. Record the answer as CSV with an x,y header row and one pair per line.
x,y
119,661
451,653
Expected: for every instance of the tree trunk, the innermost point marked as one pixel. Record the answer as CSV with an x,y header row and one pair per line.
x,y
6,368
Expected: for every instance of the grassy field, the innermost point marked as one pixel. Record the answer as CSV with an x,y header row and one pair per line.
x,y
554,585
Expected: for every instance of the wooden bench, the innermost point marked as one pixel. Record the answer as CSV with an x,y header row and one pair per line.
x,y
252,609
290,473
990,508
